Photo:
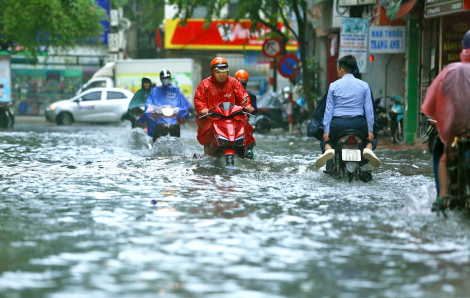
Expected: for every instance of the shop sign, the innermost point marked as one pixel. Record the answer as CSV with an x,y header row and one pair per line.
x,y
435,8
106,5
272,47
453,29
353,41
220,35
387,39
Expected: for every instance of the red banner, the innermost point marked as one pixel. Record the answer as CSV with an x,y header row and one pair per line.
x,y
220,35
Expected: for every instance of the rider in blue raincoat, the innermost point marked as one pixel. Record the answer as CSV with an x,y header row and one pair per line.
x,y
165,95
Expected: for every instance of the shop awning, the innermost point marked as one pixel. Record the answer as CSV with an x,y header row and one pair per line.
x,y
400,9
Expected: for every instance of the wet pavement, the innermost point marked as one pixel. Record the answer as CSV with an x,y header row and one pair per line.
x,y
90,211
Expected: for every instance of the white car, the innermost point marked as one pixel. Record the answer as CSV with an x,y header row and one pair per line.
x,y
93,105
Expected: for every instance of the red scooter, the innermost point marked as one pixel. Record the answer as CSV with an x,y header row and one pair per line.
x,y
228,131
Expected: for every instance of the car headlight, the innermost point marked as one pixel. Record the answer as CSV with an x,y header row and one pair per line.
x,y
53,106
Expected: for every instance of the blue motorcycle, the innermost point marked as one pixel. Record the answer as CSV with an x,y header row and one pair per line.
x,y
396,119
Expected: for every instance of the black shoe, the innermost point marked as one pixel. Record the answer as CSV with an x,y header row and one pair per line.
x,y
250,154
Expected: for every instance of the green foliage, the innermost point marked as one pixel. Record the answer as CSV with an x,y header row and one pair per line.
x,y
267,13
58,23
146,15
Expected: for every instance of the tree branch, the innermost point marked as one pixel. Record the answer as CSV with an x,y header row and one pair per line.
x,y
286,23
270,26
299,17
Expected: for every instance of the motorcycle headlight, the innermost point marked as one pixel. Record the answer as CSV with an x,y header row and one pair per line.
x,y
53,106
168,112
239,141
223,141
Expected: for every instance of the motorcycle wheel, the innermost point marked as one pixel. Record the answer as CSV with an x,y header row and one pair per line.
x,y
230,159
303,127
6,121
350,177
398,134
262,126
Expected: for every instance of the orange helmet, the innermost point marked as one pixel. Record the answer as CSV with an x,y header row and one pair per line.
x,y
219,62
242,76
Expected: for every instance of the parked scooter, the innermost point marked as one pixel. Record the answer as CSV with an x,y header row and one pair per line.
x,y
381,114
348,160
229,131
396,119
272,113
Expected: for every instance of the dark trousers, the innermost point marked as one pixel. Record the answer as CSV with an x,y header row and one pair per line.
x,y
340,124
164,129
437,152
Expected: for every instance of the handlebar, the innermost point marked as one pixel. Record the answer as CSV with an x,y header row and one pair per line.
x,y
208,114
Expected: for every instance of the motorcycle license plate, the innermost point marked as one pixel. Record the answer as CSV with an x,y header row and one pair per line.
x,y
351,155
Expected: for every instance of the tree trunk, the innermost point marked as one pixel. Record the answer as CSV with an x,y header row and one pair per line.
x,y
306,73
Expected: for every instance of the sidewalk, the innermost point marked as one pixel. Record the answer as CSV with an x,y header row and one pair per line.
x,y
30,119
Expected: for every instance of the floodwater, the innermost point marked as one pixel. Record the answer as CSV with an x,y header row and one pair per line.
x,y
91,211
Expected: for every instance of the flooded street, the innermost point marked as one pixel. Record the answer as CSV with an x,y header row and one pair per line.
x,y
90,211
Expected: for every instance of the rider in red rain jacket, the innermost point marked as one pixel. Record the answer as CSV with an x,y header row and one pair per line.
x,y
215,90
447,101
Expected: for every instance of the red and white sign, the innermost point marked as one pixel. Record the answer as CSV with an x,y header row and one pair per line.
x,y
272,47
288,66
220,35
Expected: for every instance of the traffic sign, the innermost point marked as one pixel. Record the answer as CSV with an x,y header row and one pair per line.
x,y
272,47
289,66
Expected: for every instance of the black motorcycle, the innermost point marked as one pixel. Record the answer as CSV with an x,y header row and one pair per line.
x,y
348,160
166,129
458,172
272,114
458,168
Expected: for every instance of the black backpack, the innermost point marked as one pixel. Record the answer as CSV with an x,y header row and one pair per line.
x,y
316,124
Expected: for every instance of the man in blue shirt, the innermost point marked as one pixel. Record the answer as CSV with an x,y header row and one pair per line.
x,y
348,106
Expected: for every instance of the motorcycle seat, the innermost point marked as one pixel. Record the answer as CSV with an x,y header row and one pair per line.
x,y
352,132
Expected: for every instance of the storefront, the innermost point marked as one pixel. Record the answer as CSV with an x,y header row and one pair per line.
x,y
35,89
444,24
237,42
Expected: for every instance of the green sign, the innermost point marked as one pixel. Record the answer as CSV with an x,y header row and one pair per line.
x,y
434,8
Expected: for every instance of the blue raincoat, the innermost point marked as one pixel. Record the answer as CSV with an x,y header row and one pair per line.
x,y
164,96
